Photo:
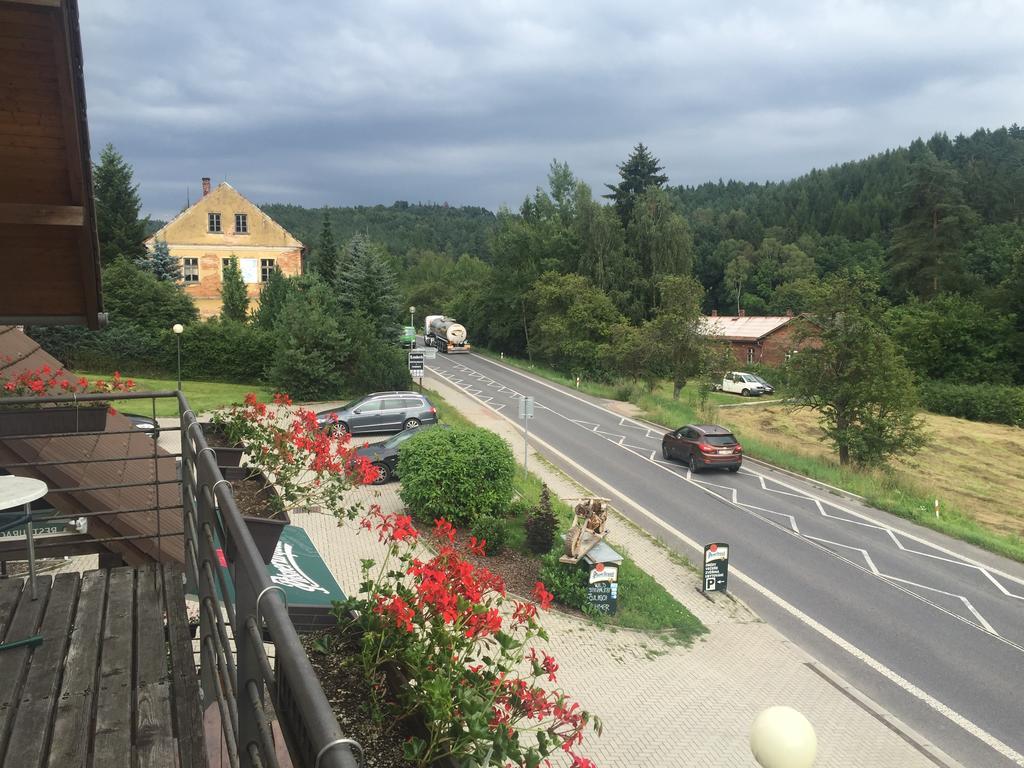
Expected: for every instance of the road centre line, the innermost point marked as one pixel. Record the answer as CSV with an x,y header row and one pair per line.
x,y
893,677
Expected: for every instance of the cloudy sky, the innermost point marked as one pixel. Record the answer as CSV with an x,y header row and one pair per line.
x,y
349,103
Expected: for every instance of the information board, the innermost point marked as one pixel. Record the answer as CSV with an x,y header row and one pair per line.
x,y
603,596
716,568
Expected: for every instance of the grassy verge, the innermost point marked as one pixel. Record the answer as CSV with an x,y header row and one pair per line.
x,y
891,491
202,395
644,603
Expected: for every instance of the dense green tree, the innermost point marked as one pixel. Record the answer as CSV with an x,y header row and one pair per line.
x,y
675,330
660,244
601,247
854,377
926,254
233,294
135,296
120,230
572,323
312,351
160,262
325,256
367,286
640,172
273,295
954,338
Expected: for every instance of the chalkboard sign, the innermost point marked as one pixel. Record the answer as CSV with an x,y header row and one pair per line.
x,y
716,568
603,596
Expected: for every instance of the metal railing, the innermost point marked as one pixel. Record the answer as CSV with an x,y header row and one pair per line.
x,y
234,668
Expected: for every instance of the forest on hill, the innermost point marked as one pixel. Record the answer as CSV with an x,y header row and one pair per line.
x,y
400,227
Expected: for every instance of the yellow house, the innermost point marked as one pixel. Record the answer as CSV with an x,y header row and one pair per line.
x,y
222,224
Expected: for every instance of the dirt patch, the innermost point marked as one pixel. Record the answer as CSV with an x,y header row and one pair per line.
x,y
341,675
967,465
254,498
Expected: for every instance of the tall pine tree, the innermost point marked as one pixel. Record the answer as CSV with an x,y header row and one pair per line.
x,y
366,286
160,262
233,295
926,255
121,232
639,173
273,295
325,255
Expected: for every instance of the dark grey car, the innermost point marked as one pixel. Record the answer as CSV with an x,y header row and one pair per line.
x,y
379,412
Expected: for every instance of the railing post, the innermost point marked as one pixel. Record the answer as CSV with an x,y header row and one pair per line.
x,y
248,667
205,516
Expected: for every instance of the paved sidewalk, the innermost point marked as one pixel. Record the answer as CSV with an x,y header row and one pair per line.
x,y
663,706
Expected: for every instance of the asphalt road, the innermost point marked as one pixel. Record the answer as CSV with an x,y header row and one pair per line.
x,y
930,628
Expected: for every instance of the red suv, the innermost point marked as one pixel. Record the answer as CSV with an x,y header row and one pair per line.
x,y
703,445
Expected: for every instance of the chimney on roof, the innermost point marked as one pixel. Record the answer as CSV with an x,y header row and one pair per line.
x,y
743,313
714,313
206,185
789,313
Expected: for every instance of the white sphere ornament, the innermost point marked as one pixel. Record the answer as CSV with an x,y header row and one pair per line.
x,y
783,738
177,328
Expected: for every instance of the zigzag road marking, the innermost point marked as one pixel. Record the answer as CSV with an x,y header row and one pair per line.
x,y
867,557
792,520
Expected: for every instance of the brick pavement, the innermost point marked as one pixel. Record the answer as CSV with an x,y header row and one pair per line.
x,y
663,705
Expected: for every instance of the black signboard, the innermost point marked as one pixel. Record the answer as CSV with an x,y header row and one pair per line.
x,y
603,596
415,361
716,568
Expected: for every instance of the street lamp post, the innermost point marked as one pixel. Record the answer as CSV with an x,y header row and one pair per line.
x,y
178,329
412,313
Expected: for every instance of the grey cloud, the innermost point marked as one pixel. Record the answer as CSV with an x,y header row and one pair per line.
x,y
350,103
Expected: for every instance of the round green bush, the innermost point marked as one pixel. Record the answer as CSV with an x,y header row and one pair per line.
x,y
458,474
491,530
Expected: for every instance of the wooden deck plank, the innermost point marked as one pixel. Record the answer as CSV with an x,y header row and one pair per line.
x,y
155,744
149,641
187,705
10,593
154,726
14,662
73,723
29,743
113,744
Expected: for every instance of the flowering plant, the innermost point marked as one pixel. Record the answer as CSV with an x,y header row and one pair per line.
x,y
308,466
47,381
464,646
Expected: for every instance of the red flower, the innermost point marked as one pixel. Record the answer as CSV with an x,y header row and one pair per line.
x,y
542,595
444,530
477,547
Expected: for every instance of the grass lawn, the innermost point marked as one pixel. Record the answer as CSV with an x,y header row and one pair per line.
x,y
202,395
644,603
968,466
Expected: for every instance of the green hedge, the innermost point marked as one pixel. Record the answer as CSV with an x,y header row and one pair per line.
x,y
458,474
211,350
996,403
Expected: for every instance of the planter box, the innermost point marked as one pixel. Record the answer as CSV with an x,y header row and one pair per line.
x,y
265,531
50,421
227,456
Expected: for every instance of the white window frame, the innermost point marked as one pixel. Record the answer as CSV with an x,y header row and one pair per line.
x,y
189,276
243,219
213,225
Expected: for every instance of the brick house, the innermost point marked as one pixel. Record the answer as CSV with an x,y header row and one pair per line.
x,y
767,340
222,224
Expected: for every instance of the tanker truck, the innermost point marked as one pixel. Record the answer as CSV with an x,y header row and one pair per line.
x,y
445,334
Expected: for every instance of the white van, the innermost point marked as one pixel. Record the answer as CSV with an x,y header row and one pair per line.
x,y
740,383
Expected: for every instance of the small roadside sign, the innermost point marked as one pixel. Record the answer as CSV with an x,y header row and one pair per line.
x,y
429,353
526,408
716,568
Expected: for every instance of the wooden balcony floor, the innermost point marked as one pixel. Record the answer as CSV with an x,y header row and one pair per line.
x,y
112,684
